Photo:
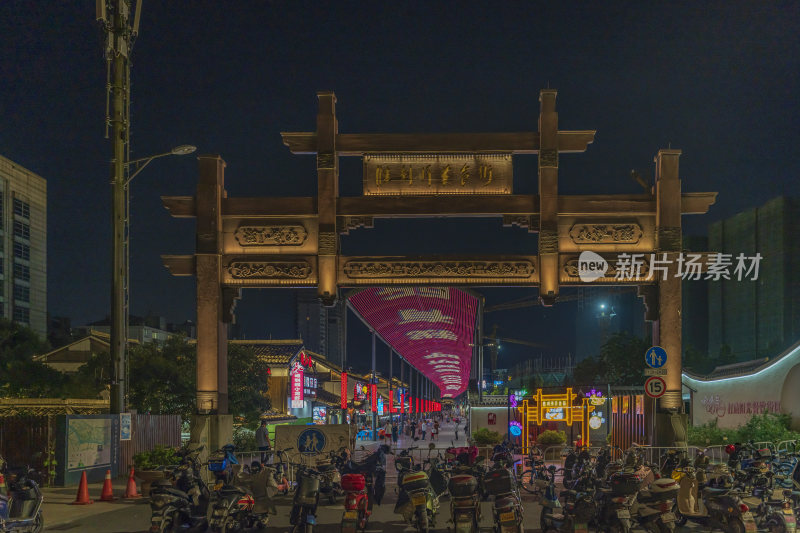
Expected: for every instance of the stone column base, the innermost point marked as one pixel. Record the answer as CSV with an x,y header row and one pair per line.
x,y
671,429
211,431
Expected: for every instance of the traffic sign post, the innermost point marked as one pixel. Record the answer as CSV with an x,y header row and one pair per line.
x,y
655,357
655,387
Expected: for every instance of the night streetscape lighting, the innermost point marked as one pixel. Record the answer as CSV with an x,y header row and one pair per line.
x,y
182,149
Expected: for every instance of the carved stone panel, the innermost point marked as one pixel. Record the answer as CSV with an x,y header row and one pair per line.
x,y
269,270
438,269
614,233
271,235
548,158
327,243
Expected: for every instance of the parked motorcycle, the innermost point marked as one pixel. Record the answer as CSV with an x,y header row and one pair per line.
x,y
574,517
465,503
506,505
417,501
653,506
21,508
357,508
180,502
221,463
330,475
246,502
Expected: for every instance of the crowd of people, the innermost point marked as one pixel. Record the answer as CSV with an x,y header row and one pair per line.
x,y
418,428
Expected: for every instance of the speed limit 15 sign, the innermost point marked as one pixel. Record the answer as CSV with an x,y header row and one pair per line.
x,y
655,387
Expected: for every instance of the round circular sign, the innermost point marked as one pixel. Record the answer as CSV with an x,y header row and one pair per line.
x,y
655,387
655,357
595,422
516,431
311,441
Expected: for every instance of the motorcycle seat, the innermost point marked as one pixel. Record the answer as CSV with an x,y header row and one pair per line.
x,y
325,468
171,491
505,502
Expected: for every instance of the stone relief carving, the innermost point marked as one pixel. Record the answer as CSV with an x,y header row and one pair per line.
x,y
438,269
627,233
269,269
251,235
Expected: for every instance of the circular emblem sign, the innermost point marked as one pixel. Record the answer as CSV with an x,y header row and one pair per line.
x,y
655,387
311,441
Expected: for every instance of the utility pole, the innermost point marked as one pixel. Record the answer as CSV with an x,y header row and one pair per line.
x,y
114,15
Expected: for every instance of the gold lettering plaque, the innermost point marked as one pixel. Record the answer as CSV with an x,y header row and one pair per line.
x,y
437,174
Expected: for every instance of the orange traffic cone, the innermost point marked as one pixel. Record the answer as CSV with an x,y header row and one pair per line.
x,y
83,492
131,491
107,494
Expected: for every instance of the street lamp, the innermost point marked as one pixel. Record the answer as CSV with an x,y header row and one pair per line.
x,y
120,265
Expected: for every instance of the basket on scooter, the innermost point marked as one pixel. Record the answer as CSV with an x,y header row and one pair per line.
x,y
624,483
353,482
462,485
415,481
307,490
498,481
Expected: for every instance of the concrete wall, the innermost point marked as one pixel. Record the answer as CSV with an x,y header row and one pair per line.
x,y
479,418
732,401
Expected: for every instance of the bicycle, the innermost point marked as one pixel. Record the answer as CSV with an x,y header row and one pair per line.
x,y
536,478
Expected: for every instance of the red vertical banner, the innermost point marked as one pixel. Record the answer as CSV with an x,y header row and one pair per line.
x,y
402,403
343,391
410,404
374,397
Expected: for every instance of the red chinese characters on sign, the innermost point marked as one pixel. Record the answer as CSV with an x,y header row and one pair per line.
x,y
491,419
297,386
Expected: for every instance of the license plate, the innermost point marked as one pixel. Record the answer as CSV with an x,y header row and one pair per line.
x,y
351,515
788,511
418,499
507,517
667,517
749,522
623,513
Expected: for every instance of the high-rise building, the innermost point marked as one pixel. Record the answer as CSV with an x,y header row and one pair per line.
x,y
603,312
758,318
23,246
694,302
321,328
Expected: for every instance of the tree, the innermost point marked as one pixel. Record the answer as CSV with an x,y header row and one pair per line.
x,y
163,377
587,372
248,384
20,375
622,357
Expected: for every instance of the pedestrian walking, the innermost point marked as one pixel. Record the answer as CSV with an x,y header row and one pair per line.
x,y
394,434
423,428
262,440
456,429
435,432
413,430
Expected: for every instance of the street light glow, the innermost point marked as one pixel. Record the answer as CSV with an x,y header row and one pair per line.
x,y
183,149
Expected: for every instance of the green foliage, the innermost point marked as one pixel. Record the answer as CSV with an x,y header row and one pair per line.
x,y
484,437
551,438
244,439
621,363
588,372
20,375
163,377
158,456
248,384
50,464
765,427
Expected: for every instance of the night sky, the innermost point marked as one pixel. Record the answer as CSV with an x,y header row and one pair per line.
x,y
717,80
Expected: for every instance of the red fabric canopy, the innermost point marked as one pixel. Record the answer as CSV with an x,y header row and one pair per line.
x,y
430,327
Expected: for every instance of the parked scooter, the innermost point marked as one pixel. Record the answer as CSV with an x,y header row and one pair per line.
x,y
357,508
574,517
721,508
306,499
331,477
653,506
21,508
246,502
181,502
221,464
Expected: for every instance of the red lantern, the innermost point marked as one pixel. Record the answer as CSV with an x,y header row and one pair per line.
x,y
374,397
343,391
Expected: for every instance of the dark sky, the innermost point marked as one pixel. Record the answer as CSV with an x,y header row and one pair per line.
x,y
718,80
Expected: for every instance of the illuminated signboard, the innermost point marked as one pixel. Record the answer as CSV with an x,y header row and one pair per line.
x,y
380,405
554,413
515,428
297,386
595,397
430,327
596,420
319,414
343,391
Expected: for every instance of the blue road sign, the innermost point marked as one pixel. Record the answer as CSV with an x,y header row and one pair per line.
x,y
655,357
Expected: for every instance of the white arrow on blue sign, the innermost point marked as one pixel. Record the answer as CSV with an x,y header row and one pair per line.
x,y
655,357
